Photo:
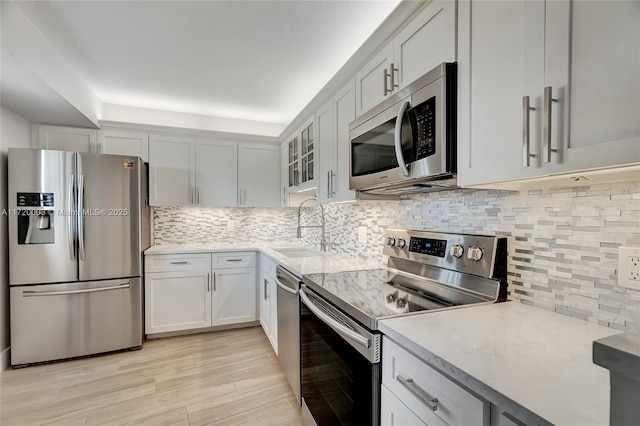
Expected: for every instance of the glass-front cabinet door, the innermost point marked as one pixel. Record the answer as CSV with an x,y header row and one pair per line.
x,y
307,154
301,157
294,164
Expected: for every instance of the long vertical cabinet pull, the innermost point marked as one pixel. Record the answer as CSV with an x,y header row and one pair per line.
x,y
385,76
208,282
214,281
333,186
329,184
526,131
394,85
266,296
548,101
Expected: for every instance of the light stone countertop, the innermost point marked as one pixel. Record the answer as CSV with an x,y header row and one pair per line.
x,y
515,356
324,263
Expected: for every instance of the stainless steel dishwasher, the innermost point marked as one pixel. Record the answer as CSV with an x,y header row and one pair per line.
x,y
289,327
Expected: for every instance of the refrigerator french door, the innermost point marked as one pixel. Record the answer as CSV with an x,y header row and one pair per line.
x,y
78,227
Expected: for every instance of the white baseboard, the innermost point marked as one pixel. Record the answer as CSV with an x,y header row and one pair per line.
x,y
4,359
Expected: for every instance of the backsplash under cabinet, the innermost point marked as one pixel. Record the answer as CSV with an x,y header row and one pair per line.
x,y
563,242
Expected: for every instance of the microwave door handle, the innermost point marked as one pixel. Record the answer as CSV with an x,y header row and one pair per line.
x,y
398,139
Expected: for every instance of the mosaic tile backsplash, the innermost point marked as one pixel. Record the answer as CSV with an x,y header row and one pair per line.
x,y
563,242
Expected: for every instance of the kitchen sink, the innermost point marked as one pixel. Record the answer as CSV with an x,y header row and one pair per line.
x,y
300,252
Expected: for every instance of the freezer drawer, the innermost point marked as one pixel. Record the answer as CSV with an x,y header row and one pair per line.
x,y
57,321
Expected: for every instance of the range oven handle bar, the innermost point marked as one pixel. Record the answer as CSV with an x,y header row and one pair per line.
x,y
30,293
398,138
335,325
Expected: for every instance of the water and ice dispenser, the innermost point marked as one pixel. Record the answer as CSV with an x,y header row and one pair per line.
x,y
36,218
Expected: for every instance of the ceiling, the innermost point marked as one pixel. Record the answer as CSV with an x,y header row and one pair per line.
x,y
253,60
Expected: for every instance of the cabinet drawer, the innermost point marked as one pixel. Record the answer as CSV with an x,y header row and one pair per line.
x,y
239,259
412,381
177,262
393,412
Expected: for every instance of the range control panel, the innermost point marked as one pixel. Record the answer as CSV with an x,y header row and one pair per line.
x,y
467,253
428,246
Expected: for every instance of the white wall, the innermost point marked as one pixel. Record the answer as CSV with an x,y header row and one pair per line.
x,y
14,133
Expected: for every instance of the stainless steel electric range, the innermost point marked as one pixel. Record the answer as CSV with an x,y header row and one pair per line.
x,y
340,341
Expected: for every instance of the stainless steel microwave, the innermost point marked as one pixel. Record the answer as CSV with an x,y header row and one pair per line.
x,y
407,143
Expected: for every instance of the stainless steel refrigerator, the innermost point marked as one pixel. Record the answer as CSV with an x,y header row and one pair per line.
x,y
78,224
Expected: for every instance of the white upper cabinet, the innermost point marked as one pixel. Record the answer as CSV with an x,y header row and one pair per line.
x,y
172,165
326,151
259,175
66,138
374,80
550,99
123,143
216,173
301,161
212,173
428,39
332,122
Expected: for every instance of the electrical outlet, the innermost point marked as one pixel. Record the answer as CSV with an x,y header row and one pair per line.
x,y
629,267
362,234
633,268
231,225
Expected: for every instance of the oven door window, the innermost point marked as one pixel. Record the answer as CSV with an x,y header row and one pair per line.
x,y
339,385
374,151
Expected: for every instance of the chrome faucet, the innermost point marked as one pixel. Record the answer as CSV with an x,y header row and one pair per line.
x,y
323,240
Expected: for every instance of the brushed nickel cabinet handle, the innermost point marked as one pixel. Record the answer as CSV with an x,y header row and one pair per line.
x,y
234,260
526,131
394,85
547,110
265,289
214,281
208,282
179,263
418,392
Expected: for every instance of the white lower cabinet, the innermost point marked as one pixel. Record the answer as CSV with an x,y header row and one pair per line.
x,y
425,392
268,300
189,291
234,296
177,292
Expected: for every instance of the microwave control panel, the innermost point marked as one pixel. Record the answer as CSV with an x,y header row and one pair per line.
x,y
425,128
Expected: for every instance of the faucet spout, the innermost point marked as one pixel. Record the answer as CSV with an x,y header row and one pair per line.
x,y
323,240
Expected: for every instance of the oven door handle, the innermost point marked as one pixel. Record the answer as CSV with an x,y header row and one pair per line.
x,y
398,138
335,325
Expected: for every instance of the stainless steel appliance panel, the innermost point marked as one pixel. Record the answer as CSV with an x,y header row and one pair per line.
x,y
289,328
58,321
52,172
109,228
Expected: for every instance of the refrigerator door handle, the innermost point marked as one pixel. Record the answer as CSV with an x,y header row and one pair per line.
x,y
81,217
70,214
29,293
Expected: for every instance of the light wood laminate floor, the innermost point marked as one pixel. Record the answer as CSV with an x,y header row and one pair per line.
x,y
229,377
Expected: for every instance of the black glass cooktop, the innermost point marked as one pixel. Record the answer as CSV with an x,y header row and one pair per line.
x,y
371,295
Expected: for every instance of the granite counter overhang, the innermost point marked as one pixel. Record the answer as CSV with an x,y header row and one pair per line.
x,y
535,364
298,265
